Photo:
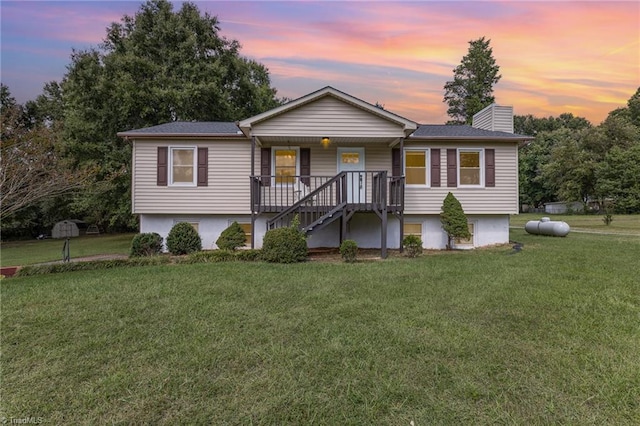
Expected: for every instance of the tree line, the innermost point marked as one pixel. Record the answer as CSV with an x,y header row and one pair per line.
x,y
61,157
157,66
570,159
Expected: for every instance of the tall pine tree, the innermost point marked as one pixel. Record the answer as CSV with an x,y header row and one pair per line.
x,y
472,87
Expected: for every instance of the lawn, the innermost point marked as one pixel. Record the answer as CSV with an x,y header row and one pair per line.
x,y
622,224
550,335
20,253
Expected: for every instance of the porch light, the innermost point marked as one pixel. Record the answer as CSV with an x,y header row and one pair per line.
x,y
325,142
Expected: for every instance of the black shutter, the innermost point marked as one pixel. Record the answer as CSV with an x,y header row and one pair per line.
x,y
490,167
163,159
452,167
203,166
435,167
305,166
265,166
396,162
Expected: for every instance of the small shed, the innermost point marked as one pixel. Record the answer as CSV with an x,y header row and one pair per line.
x,y
560,207
65,229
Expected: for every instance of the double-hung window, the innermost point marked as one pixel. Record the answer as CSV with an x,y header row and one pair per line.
x,y
415,167
183,166
285,165
470,167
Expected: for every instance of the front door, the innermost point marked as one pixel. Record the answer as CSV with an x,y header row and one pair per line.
x,y
352,160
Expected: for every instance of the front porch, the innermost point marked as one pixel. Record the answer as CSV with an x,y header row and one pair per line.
x,y
318,201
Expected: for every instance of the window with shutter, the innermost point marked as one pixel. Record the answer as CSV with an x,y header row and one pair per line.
x,y
415,167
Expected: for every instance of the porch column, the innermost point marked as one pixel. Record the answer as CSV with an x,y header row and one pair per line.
x,y
253,173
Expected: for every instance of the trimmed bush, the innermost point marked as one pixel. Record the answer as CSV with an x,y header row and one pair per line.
x,y
232,237
215,256
285,245
53,268
183,239
146,244
349,251
453,219
412,245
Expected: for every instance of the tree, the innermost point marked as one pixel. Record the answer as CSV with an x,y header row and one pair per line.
x,y
531,126
618,178
472,87
31,169
155,67
536,189
453,219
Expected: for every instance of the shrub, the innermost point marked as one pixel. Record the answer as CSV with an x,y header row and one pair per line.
x,y
214,256
412,245
53,268
146,244
453,219
285,245
607,219
248,255
232,237
183,239
349,251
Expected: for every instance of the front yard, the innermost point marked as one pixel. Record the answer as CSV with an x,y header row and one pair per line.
x,y
550,335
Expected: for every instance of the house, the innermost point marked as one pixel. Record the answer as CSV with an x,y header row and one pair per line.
x,y
346,168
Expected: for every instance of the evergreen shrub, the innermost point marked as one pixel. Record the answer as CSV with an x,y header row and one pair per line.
x,y
285,245
349,251
146,244
412,245
183,239
232,237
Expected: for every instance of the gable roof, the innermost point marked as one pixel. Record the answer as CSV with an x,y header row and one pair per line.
x,y
408,125
186,128
449,131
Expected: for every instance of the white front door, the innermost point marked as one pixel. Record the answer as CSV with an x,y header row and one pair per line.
x,y
352,160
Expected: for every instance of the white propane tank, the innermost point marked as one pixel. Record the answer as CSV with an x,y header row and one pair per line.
x,y
546,226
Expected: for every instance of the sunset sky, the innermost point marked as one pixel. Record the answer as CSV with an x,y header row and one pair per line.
x,y
581,57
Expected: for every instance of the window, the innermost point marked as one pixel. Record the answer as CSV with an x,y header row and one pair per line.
x,y
470,167
412,229
415,168
183,165
285,165
246,227
467,241
196,225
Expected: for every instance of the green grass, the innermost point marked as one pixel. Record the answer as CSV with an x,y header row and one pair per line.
x,y
622,224
20,253
550,335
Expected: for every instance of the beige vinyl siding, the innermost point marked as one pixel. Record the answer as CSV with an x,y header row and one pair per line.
x,y
324,162
495,118
227,192
328,116
501,199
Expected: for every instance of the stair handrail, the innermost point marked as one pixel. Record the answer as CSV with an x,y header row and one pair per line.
x,y
307,197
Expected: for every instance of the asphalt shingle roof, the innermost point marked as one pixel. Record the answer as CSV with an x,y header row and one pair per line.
x,y
459,131
228,128
188,128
